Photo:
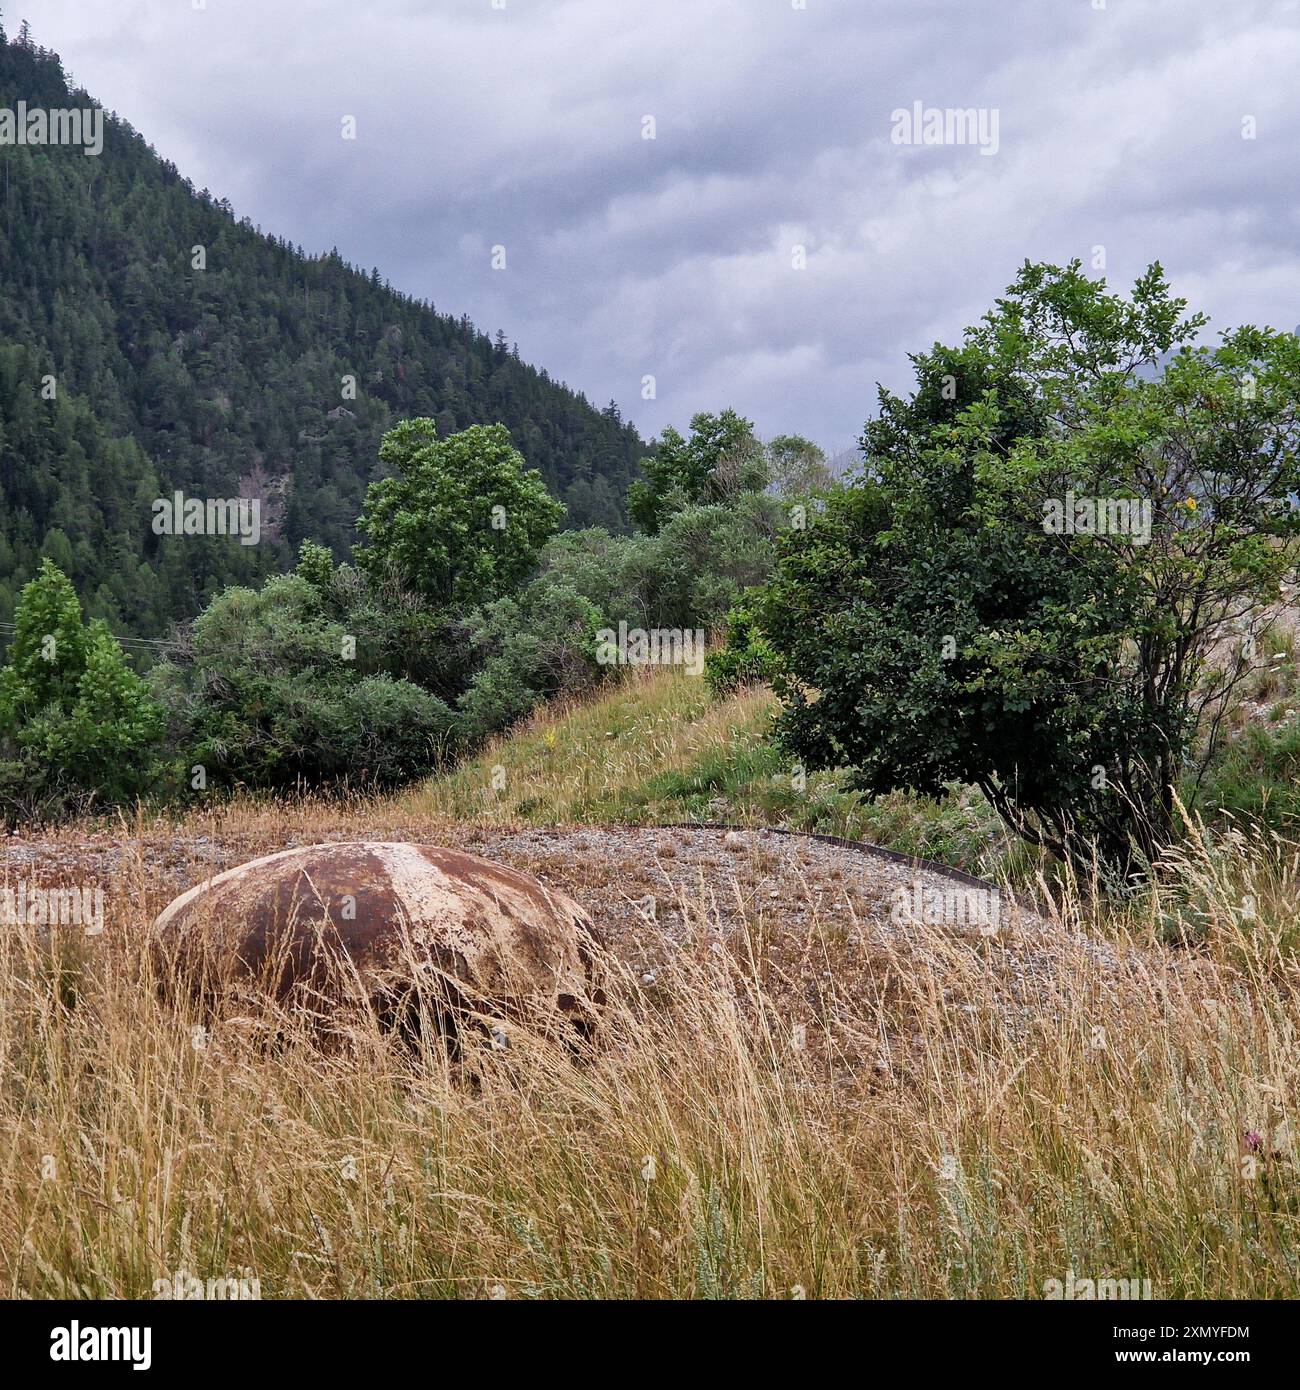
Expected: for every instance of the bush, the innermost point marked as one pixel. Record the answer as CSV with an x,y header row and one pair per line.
x,y
77,726
268,695
689,575
745,658
536,648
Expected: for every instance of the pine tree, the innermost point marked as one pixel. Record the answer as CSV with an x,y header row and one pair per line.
x,y
173,377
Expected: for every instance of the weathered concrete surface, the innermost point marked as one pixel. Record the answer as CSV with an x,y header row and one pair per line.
x,y
388,920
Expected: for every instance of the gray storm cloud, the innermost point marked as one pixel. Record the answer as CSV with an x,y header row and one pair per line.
x,y
771,248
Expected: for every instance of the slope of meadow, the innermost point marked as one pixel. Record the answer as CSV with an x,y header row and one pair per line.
x,y
658,749
791,1095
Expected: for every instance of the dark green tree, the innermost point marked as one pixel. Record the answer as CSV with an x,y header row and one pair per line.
x,y
77,726
942,621
721,458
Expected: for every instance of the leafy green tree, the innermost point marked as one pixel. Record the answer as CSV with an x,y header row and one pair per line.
x,y
798,466
462,520
942,621
721,458
77,726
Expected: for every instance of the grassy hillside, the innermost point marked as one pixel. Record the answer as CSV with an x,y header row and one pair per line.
x,y
658,749
806,1102
800,1100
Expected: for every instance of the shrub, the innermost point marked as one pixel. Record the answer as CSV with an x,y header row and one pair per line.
x,y
536,648
267,695
77,725
745,658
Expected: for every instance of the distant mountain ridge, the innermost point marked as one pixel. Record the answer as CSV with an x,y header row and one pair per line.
x,y
222,381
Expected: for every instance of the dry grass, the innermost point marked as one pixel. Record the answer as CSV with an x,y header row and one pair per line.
x,y
770,1110
764,1118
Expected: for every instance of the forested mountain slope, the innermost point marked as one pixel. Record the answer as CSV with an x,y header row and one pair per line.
x,y
223,381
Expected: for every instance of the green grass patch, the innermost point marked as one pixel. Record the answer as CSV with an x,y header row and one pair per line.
x,y
1256,776
659,749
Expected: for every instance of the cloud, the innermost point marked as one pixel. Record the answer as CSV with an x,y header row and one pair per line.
x,y
676,257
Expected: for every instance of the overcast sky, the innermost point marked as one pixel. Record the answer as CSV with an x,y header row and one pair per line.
x,y
521,124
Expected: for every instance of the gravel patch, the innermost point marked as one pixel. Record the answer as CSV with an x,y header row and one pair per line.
x,y
655,891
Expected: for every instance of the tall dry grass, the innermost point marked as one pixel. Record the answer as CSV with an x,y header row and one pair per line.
x,y
918,1137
